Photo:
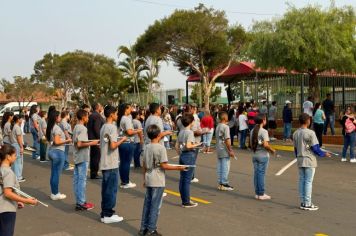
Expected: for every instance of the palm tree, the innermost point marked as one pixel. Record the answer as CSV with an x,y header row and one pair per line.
x,y
153,67
132,67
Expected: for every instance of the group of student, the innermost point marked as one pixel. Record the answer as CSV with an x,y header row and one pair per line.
x,y
117,139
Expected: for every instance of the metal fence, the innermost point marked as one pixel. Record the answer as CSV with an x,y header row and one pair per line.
x,y
295,88
165,97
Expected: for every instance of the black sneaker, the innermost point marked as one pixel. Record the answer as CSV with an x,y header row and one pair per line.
x,y
155,233
142,232
312,207
228,187
189,205
302,206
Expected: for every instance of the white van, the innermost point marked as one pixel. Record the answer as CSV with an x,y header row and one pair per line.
x,y
14,107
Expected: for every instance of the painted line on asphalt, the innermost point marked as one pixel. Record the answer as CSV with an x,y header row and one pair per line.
x,y
192,198
283,148
321,234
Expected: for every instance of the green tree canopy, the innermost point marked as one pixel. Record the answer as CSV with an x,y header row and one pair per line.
x,y
198,41
197,93
308,40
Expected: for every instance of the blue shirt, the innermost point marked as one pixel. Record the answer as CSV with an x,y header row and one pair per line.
x,y
318,117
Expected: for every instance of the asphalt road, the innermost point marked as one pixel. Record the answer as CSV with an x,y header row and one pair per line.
x,y
228,213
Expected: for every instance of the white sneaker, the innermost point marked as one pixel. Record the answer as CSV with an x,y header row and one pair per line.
x,y
58,196
353,160
129,185
164,195
343,159
70,168
195,180
38,157
112,219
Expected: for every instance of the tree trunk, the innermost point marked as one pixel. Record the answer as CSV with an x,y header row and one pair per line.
x,y
314,86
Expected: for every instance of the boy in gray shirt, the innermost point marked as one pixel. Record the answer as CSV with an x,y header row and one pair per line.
x,y
224,152
109,163
155,162
81,159
306,147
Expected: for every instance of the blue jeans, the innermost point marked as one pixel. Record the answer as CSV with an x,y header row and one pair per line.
x,y
66,153
287,130
36,143
207,139
151,207
7,223
222,170
80,182
330,119
349,141
306,176
109,192
126,151
243,134
186,158
57,160
232,135
137,154
43,150
260,165
17,166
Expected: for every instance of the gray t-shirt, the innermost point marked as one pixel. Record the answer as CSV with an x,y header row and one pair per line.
x,y
16,131
80,133
153,120
272,113
137,125
185,136
154,154
222,133
196,127
65,126
57,131
43,126
264,110
7,133
8,180
179,124
126,124
262,137
109,157
303,140
35,117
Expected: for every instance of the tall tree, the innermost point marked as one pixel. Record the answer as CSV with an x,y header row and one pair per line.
x,y
150,76
132,67
197,93
308,40
198,41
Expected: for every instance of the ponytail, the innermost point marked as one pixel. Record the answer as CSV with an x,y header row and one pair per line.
x,y
5,150
52,117
121,112
254,140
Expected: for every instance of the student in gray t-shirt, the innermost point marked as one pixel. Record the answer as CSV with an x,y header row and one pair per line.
x,y
109,163
306,148
155,162
42,133
17,142
81,159
8,202
138,140
6,127
260,158
224,152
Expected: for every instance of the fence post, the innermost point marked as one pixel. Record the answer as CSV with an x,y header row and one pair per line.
x,y
343,92
186,92
302,93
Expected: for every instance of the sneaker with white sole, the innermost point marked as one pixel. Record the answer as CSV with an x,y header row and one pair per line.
x,y
343,159
191,204
353,160
264,197
225,187
58,196
312,207
111,219
194,180
164,195
128,185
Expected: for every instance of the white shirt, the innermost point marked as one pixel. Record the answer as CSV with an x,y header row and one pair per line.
x,y
243,122
308,107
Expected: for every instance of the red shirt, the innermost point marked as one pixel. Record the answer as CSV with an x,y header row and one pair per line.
x,y
207,122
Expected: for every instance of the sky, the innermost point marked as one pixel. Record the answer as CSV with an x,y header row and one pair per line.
x,y
31,28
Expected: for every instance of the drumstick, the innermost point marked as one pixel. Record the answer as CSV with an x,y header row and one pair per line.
x,y
286,167
333,153
19,192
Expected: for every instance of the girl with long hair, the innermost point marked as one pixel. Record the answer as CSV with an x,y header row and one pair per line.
x,y
16,139
260,158
57,141
34,128
126,150
318,122
6,126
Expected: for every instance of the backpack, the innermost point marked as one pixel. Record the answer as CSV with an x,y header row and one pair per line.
x,y
349,126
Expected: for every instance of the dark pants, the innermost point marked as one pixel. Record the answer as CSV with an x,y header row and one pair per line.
x,y
7,223
137,154
109,192
94,161
243,134
43,149
186,158
150,212
126,151
318,128
232,134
